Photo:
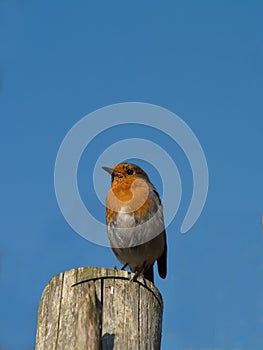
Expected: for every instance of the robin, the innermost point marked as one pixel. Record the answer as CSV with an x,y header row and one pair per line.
x,y
135,223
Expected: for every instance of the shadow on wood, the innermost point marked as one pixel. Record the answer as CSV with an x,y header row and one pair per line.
x,y
97,308
107,341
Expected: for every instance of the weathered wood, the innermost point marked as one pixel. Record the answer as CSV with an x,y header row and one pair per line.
x,y
97,308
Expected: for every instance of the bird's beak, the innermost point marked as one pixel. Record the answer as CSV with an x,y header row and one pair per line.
x,y
109,170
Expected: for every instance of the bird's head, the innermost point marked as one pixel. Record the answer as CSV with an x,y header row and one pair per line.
x,y
126,172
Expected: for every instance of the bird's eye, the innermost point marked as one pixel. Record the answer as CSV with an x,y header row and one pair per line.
x,y
129,171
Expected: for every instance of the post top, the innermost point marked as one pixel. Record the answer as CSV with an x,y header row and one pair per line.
x,y
82,275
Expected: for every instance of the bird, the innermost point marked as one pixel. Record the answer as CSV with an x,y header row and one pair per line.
x,y
135,221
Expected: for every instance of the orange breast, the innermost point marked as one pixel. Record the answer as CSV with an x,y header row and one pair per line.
x,y
130,197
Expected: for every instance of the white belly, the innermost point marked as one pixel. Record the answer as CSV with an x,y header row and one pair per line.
x,y
137,244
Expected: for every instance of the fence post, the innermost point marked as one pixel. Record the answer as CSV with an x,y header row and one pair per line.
x,y
98,308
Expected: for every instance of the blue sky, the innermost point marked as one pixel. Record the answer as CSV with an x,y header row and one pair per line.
x,y
203,61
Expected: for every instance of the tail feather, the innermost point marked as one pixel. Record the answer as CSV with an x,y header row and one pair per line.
x,y
162,261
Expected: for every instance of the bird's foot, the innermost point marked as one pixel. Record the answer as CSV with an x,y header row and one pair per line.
x,y
137,275
134,277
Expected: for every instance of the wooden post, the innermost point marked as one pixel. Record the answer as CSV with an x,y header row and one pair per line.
x,y
96,308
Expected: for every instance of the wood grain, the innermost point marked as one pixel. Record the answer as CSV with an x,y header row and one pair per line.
x,y
97,308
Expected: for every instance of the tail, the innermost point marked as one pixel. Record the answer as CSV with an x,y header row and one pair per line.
x,y
162,261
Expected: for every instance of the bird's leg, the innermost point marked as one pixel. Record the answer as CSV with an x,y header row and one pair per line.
x,y
125,265
147,273
142,273
136,275
139,273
